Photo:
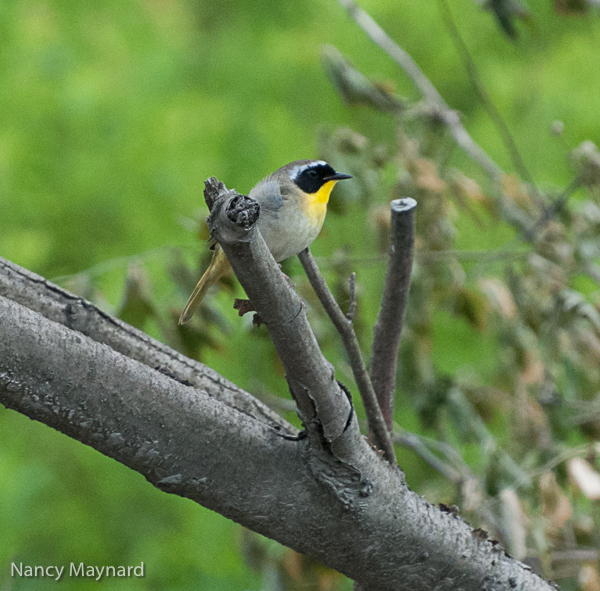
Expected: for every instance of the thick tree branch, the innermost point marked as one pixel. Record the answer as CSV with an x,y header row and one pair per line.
x,y
328,495
57,304
386,333
190,444
324,407
381,435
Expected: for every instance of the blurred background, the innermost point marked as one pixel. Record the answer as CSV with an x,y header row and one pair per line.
x,y
113,113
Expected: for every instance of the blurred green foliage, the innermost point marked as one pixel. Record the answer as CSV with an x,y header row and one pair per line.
x,y
113,113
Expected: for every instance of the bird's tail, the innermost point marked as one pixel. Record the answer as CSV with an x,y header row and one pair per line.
x,y
218,266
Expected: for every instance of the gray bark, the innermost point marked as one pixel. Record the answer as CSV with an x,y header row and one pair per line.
x,y
58,305
191,444
328,495
387,329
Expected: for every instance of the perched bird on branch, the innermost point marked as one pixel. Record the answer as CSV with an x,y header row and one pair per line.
x,y
293,203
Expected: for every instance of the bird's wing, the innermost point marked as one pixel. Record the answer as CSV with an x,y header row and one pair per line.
x,y
268,194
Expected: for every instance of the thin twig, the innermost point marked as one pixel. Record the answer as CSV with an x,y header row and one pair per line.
x,y
552,210
414,442
449,117
377,425
452,467
487,442
352,306
552,463
121,262
481,257
426,256
427,89
486,101
386,333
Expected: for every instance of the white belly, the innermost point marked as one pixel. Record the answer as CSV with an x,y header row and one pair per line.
x,y
288,234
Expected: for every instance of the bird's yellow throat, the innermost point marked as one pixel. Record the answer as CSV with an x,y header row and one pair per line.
x,y
322,195
316,203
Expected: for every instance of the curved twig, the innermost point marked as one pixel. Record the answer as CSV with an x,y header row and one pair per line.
x,y
486,101
427,89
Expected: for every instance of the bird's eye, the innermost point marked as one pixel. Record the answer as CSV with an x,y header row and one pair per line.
x,y
312,173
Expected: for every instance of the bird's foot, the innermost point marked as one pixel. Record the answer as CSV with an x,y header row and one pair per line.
x,y
245,306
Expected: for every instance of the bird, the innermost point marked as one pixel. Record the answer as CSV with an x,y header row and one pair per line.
x,y
293,203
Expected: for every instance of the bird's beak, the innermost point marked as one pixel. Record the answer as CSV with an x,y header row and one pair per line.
x,y
338,176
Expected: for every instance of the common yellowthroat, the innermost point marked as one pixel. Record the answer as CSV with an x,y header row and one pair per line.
x,y
293,202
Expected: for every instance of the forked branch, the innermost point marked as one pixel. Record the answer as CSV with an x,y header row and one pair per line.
x,y
343,324
328,495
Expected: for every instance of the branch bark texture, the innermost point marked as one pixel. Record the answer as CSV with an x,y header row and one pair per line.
x,y
193,445
59,305
323,406
328,495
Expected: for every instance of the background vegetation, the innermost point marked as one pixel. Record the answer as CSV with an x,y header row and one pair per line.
x,y
111,116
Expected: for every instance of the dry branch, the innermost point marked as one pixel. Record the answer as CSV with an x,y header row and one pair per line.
x,y
386,333
328,495
311,378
